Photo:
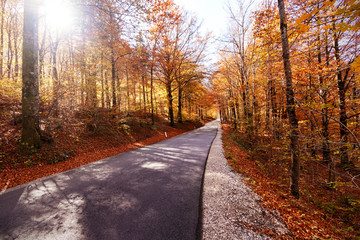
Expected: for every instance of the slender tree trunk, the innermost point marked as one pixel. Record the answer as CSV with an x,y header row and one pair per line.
x,y
10,53
16,38
83,80
118,85
113,78
170,104
140,100
344,158
255,113
72,78
42,58
55,76
233,109
324,117
102,82
152,94
127,89
143,91
180,120
92,89
268,78
3,2
107,94
290,101
83,64
30,88
249,115
268,106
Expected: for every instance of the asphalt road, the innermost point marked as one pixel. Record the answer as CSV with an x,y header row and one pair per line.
x,y
148,193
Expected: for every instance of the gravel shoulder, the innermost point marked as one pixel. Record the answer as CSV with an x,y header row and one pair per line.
x,y
231,210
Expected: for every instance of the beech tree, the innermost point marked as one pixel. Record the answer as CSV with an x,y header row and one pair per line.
x,y
30,89
290,103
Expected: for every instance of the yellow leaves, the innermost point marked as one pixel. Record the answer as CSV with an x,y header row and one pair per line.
x,y
307,16
302,28
343,27
356,64
303,18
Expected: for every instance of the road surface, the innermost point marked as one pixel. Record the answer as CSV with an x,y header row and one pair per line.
x,y
148,193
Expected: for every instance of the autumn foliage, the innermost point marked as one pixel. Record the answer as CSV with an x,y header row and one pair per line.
x,y
252,96
119,68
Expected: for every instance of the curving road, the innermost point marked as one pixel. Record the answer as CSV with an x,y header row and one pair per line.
x,y
148,193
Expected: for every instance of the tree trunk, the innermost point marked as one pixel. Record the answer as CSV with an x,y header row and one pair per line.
x,y
180,120
42,59
113,78
249,116
152,94
127,89
324,117
290,101
233,109
344,158
144,91
102,82
118,98
170,104
3,2
55,76
10,53
16,38
30,88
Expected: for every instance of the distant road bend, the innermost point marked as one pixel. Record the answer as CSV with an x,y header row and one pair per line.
x,y
148,193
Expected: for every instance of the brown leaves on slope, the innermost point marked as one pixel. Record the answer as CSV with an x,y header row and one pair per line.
x,y
17,168
304,220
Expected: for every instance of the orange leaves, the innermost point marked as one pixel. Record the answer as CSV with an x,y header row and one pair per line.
x,y
302,218
304,17
164,11
356,64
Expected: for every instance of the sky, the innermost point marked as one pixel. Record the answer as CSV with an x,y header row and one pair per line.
x,y
211,12
214,15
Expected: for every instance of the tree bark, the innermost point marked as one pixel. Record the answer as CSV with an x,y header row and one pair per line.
x,y
325,118
152,94
344,158
113,78
170,104
180,119
55,76
16,41
144,91
290,102
3,2
102,82
30,88
10,52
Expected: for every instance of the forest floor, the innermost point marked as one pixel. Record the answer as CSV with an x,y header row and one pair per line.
x,y
320,213
73,145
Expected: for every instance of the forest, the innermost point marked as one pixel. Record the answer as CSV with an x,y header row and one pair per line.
x,y
70,68
288,86
285,87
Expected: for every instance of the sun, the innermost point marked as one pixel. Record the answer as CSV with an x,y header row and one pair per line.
x,y
59,14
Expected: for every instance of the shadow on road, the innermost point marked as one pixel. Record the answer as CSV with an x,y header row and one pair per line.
x,y
148,193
